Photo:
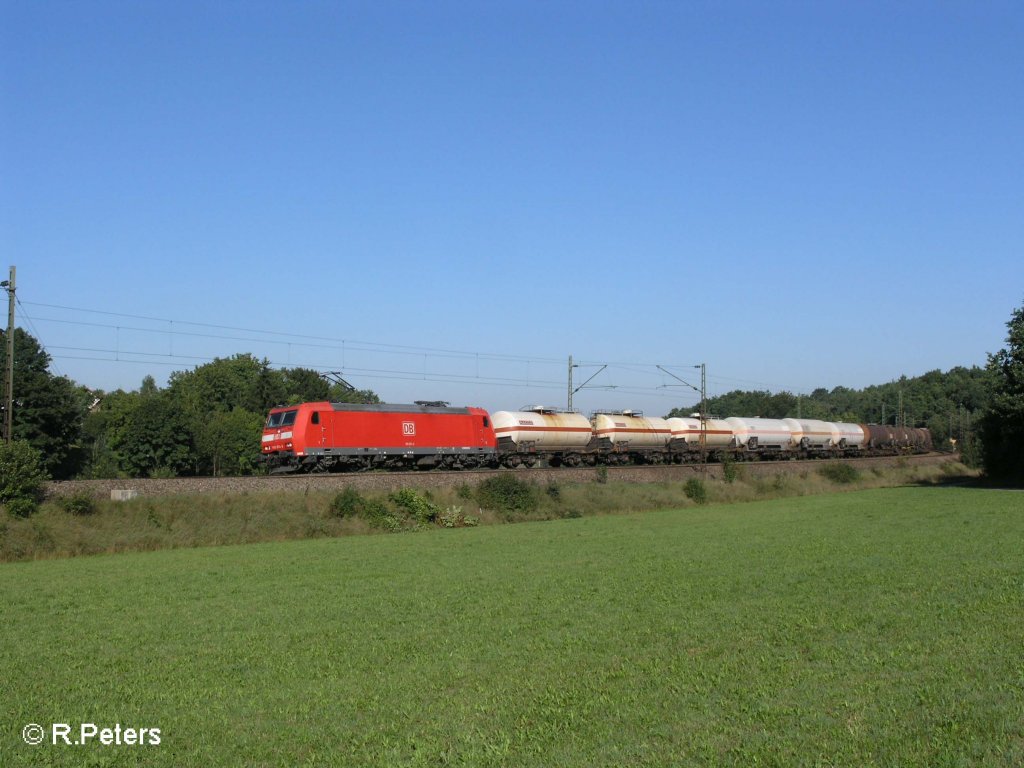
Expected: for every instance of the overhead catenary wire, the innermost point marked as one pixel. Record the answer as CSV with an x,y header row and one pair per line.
x,y
179,328
349,344
155,358
417,350
38,336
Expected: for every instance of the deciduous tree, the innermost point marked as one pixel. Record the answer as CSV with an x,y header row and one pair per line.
x,y
1002,427
48,409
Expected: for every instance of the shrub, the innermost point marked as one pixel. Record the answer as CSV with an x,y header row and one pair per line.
x,y
377,514
412,503
730,472
554,491
351,503
78,504
347,503
464,491
507,493
21,507
696,491
453,518
21,477
602,474
838,472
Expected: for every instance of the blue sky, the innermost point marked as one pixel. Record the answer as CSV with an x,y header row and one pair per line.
x,y
799,195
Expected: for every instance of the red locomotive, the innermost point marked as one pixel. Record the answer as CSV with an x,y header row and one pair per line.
x,y
337,436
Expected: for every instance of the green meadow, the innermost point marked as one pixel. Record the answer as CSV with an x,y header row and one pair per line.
x,y
879,627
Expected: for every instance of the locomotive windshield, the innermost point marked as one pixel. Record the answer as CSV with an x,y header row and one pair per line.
x,y
281,419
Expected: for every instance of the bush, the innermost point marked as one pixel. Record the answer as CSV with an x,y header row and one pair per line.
x,y
78,504
602,474
351,503
412,503
348,503
970,453
554,491
730,472
21,507
838,472
21,477
453,518
507,493
696,491
464,491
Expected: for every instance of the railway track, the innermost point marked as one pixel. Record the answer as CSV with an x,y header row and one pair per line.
x,y
386,481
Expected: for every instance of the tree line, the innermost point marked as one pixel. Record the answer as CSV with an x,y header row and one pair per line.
x,y
949,404
208,421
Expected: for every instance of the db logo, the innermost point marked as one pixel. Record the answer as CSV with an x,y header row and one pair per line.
x,y
408,428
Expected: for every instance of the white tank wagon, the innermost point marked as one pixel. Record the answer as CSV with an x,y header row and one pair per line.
x,y
761,434
851,436
540,431
631,430
812,434
542,427
687,431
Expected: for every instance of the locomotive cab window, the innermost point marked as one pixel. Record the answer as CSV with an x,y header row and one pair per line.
x,y
487,423
315,419
281,419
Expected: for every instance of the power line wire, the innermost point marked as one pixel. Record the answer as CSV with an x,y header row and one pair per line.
x,y
369,345
38,336
346,346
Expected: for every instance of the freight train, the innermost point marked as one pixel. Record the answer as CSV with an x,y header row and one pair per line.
x,y
332,437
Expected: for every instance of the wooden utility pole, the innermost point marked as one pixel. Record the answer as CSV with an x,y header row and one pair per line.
x,y
9,400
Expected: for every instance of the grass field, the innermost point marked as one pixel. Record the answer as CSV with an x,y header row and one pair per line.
x,y
881,627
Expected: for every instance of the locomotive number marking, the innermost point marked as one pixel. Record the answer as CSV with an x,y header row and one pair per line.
x,y
408,427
